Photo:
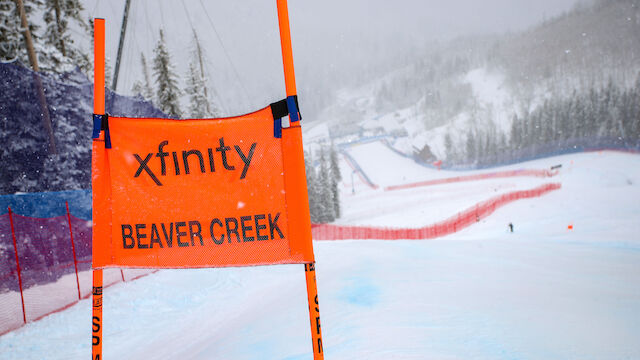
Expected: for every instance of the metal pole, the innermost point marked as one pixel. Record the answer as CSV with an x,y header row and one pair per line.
x,y
33,60
123,30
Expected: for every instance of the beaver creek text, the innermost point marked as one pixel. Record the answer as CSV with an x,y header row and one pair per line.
x,y
218,231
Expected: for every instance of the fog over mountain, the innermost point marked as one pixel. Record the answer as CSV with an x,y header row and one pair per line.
x,y
335,43
470,84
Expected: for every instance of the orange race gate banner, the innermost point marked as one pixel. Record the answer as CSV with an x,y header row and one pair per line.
x,y
199,193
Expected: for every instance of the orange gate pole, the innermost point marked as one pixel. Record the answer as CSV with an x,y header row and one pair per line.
x,y
314,310
299,193
98,108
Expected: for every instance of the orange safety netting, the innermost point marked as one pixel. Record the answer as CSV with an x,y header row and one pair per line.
x,y
449,226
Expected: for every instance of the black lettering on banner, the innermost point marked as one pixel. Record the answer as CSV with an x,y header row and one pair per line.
x,y
223,152
246,228
127,235
185,155
176,165
97,357
143,166
193,234
154,237
211,165
140,236
231,230
168,237
259,227
97,290
213,237
161,154
180,234
149,236
273,225
245,159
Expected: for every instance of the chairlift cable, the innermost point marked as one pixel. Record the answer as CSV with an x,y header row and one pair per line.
x,y
95,7
235,71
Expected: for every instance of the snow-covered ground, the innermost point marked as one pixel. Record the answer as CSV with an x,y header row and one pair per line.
x,y
493,103
542,292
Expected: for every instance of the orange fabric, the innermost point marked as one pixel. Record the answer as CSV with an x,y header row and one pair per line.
x,y
201,193
297,196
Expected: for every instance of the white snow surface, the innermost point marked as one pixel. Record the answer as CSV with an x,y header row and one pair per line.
x,y
542,292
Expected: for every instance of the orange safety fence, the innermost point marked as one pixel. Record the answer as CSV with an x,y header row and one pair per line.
x,y
446,227
543,173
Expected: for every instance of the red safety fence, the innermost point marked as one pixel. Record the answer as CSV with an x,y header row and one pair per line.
x,y
543,173
446,227
45,267
45,263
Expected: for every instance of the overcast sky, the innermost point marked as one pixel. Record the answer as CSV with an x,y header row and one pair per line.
x,y
430,18
328,35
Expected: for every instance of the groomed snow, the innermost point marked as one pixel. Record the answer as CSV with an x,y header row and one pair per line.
x,y
543,292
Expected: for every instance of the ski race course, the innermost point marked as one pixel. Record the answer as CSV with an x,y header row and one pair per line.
x,y
563,285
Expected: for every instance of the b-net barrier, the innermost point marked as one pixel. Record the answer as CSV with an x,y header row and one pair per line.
x,y
45,262
48,274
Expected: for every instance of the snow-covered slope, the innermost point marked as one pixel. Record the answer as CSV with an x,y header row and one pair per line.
x,y
541,292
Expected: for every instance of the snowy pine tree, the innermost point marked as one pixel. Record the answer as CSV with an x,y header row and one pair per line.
x,y
62,172
147,90
143,88
10,37
336,177
202,96
167,92
198,103
449,150
471,148
136,88
325,201
312,188
59,52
